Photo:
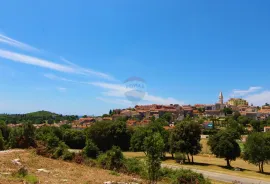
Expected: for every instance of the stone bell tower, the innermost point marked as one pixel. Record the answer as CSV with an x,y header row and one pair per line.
x,y
220,98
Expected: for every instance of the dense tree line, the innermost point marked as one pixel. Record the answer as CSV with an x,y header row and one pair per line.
x,y
36,118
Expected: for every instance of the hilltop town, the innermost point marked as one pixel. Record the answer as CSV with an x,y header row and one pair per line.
x,y
143,114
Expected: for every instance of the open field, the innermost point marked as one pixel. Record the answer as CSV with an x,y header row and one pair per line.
x,y
59,171
213,164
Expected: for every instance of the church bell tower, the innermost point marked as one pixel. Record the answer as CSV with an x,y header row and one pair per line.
x,y
220,98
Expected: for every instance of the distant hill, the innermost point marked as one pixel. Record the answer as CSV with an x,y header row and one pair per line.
x,y
42,113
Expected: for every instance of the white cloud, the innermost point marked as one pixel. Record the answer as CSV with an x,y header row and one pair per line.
x,y
259,99
237,92
117,90
27,59
86,71
12,42
61,89
49,64
35,61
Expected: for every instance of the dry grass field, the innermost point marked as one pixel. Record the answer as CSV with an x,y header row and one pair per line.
x,y
59,171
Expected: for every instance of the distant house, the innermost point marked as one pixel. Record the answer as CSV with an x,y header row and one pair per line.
x,y
266,129
86,120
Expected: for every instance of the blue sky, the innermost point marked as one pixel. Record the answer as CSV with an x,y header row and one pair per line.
x,y
72,57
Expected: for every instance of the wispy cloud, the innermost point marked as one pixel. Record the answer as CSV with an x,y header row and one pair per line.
x,y
12,42
87,71
237,92
61,89
118,90
26,59
37,61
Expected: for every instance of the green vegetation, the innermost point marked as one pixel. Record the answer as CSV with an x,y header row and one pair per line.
x,y
153,146
257,149
2,146
36,117
113,159
107,134
90,150
224,145
181,176
185,138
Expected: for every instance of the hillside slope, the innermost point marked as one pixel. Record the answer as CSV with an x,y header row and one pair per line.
x,y
59,171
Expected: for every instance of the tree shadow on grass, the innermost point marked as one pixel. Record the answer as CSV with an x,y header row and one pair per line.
x,y
236,169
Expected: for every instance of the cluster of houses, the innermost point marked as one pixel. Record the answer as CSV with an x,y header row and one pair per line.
x,y
142,114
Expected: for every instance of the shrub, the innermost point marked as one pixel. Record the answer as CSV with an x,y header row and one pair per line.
x,y
188,176
90,150
52,141
31,179
60,150
67,155
183,176
112,159
180,157
134,166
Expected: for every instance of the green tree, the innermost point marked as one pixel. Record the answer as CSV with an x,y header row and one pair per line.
x,y
75,139
153,146
257,149
137,139
185,138
256,125
243,120
14,137
90,149
110,112
224,145
5,130
167,116
106,134
28,133
141,133
2,143
227,111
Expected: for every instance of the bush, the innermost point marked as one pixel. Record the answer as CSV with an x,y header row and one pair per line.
x,y
180,157
60,150
67,155
31,179
134,166
90,150
112,159
188,176
183,176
